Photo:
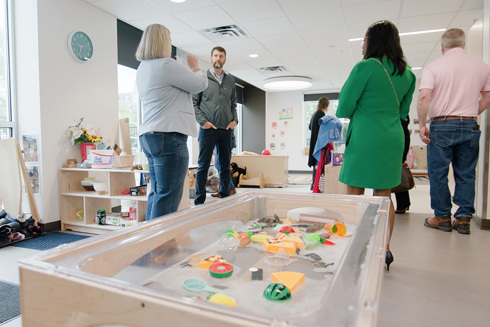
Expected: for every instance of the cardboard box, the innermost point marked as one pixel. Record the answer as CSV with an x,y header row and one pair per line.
x,y
138,190
113,220
337,159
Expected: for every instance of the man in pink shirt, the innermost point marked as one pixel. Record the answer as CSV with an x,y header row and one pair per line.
x,y
449,98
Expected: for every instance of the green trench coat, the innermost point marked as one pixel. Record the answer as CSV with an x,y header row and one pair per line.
x,y
375,139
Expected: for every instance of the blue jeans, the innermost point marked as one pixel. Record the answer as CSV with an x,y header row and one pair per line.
x,y
168,161
208,139
455,141
217,165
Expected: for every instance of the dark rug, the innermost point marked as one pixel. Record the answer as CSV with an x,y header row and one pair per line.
x,y
10,308
49,241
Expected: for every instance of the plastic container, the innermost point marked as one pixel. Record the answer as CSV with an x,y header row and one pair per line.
x,y
101,158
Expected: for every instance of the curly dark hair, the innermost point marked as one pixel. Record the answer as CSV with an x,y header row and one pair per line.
x,y
382,39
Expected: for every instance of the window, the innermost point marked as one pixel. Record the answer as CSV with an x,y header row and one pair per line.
x,y
6,116
129,104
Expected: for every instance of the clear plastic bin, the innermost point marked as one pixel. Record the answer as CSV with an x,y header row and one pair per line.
x,y
134,277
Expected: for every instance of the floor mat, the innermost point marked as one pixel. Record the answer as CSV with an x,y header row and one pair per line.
x,y
10,308
49,241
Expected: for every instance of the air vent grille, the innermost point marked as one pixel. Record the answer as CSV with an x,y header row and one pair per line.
x,y
225,32
274,69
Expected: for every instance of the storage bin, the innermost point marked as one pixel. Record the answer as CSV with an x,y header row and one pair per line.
x,y
134,276
101,158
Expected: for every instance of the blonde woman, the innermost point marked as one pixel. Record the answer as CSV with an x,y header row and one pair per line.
x,y
165,89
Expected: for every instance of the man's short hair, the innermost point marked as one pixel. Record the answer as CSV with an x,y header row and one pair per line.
x,y
220,49
452,38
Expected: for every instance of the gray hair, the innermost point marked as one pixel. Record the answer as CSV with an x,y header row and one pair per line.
x,y
453,38
155,43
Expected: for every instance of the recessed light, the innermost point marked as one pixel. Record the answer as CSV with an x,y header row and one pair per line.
x,y
253,55
288,83
416,68
178,1
407,33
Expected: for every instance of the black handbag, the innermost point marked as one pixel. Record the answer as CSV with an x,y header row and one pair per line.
x,y
407,182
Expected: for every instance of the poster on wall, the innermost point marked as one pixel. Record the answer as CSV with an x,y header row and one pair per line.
x,y
286,113
33,173
30,146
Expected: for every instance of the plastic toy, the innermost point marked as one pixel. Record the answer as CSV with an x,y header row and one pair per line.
x,y
207,262
230,233
259,238
290,279
272,245
223,299
286,230
313,239
197,285
277,292
336,229
221,270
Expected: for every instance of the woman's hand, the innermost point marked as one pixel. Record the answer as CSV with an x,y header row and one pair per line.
x,y
193,63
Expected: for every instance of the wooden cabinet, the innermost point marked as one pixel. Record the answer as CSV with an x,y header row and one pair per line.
x,y
73,197
274,168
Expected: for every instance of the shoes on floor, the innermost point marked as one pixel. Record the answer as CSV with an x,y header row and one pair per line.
x,y
462,225
389,259
441,223
402,211
216,195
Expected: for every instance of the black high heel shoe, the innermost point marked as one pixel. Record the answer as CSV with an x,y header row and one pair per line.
x,y
402,211
389,259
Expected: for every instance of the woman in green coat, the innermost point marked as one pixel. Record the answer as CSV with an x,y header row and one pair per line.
x,y
375,97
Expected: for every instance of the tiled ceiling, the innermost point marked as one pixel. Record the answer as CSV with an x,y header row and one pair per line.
x,y
307,37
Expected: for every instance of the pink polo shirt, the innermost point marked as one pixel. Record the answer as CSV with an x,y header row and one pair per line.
x,y
456,80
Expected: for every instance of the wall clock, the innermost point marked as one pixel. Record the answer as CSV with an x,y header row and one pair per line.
x,y
80,46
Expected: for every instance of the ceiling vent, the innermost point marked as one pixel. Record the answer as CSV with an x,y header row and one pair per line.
x,y
225,32
277,69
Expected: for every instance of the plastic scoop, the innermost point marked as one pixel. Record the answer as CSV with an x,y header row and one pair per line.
x,y
197,285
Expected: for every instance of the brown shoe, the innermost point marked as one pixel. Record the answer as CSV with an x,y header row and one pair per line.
x,y
215,195
233,191
462,225
442,224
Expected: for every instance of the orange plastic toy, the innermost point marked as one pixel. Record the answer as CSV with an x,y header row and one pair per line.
x,y
336,229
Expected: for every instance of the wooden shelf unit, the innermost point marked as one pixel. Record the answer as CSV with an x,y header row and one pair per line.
x,y
73,197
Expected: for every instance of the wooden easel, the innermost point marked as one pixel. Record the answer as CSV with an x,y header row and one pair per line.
x,y
11,167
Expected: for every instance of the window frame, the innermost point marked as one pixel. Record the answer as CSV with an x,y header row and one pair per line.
x,y
9,78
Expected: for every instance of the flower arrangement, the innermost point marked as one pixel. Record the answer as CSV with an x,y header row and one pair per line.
x,y
79,134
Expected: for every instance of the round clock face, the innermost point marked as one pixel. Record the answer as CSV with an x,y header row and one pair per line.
x,y
80,46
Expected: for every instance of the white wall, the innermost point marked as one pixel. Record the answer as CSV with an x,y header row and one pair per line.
x,y
288,136
57,89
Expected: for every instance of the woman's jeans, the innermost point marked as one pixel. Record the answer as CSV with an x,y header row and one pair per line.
x,y
168,160
456,142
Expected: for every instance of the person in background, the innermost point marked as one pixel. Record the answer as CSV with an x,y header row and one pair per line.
x,y
314,127
165,89
376,95
215,109
403,198
449,97
217,165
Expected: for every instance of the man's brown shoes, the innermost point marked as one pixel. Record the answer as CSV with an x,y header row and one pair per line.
x,y
216,195
442,224
462,225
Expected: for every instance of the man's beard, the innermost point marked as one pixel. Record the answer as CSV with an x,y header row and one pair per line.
x,y
217,65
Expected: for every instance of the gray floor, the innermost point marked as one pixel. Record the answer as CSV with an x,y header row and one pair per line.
x,y
437,278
